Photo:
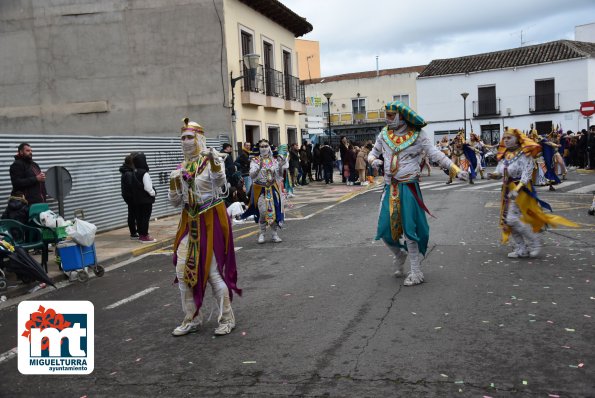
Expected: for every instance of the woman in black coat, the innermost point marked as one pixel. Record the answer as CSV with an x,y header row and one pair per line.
x,y
127,185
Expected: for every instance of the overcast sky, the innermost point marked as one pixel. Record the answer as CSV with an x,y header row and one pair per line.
x,y
406,33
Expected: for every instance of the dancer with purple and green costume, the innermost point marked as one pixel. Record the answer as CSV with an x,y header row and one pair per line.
x,y
203,247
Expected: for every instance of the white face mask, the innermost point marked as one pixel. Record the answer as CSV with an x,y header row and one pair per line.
x,y
188,147
511,142
265,151
395,123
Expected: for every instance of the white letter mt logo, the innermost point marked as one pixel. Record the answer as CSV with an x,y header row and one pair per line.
x,y
56,337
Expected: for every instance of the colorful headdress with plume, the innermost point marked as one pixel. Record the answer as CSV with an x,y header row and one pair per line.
x,y
527,145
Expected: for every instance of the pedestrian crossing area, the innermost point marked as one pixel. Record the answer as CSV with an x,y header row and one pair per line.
x,y
567,186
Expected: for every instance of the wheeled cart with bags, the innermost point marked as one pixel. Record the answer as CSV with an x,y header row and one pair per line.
x,y
78,259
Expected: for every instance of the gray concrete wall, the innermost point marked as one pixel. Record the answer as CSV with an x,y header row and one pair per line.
x,y
112,67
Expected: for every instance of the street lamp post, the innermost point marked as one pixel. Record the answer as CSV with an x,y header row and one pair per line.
x,y
328,103
251,60
464,95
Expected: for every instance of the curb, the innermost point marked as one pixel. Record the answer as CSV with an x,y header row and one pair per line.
x,y
23,289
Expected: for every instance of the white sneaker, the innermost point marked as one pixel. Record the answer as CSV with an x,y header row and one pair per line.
x,y
414,278
225,328
515,254
185,328
276,238
261,238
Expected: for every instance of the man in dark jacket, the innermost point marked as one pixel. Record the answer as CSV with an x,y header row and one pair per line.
x,y
243,165
128,184
230,168
26,176
144,197
327,158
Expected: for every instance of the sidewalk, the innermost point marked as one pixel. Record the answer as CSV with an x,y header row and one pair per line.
x,y
116,246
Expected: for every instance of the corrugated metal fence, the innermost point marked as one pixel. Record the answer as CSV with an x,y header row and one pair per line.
x,y
93,163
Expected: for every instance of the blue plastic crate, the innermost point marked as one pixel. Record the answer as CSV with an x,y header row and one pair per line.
x,y
73,256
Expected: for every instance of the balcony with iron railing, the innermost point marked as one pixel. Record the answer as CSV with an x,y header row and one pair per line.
x,y
271,88
486,108
544,103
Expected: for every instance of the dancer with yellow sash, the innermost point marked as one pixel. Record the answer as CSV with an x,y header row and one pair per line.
x,y
521,214
266,202
402,223
203,247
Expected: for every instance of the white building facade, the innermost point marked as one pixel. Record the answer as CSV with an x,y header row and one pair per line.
x,y
541,85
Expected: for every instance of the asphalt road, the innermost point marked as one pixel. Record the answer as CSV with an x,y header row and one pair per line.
x,y
321,315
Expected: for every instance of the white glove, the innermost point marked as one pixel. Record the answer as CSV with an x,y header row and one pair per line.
x,y
175,174
377,163
463,175
512,195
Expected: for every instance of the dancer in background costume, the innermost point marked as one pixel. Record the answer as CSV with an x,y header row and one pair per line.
x,y
521,213
479,147
203,247
464,157
402,223
266,201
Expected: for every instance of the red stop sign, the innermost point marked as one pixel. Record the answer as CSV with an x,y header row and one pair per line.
x,y
587,108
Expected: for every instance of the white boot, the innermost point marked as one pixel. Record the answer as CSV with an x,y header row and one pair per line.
x,y
187,326
263,228
534,246
276,238
399,263
415,276
227,321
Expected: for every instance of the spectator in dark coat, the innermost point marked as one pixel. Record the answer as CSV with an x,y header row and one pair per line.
x,y
128,184
327,158
243,165
294,163
230,167
144,197
26,176
316,163
304,164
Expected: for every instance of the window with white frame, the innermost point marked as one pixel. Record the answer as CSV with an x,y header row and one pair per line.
x,y
404,98
358,105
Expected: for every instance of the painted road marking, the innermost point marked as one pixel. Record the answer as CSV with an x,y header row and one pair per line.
x,y
8,355
131,298
585,189
492,184
451,186
559,186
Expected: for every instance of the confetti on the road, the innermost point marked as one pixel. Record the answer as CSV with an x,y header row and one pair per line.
x,y
191,363
580,365
128,339
459,382
243,333
438,327
492,385
525,382
546,287
350,274
310,296
587,316
167,305
414,313
486,321
553,396
569,329
443,375
248,362
534,302
138,359
287,294
508,303
113,373
486,396
531,314
573,366
550,321
554,303
565,346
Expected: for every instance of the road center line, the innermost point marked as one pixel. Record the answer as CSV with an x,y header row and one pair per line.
x,y
131,298
8,354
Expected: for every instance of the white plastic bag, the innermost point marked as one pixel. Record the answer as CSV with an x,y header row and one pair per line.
x,y
82,232
50,219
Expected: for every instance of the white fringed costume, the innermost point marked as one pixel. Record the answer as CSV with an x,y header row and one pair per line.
x,y
203,248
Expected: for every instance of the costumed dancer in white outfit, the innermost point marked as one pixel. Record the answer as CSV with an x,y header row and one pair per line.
x,y
402,223
521,214
203,247
266,199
